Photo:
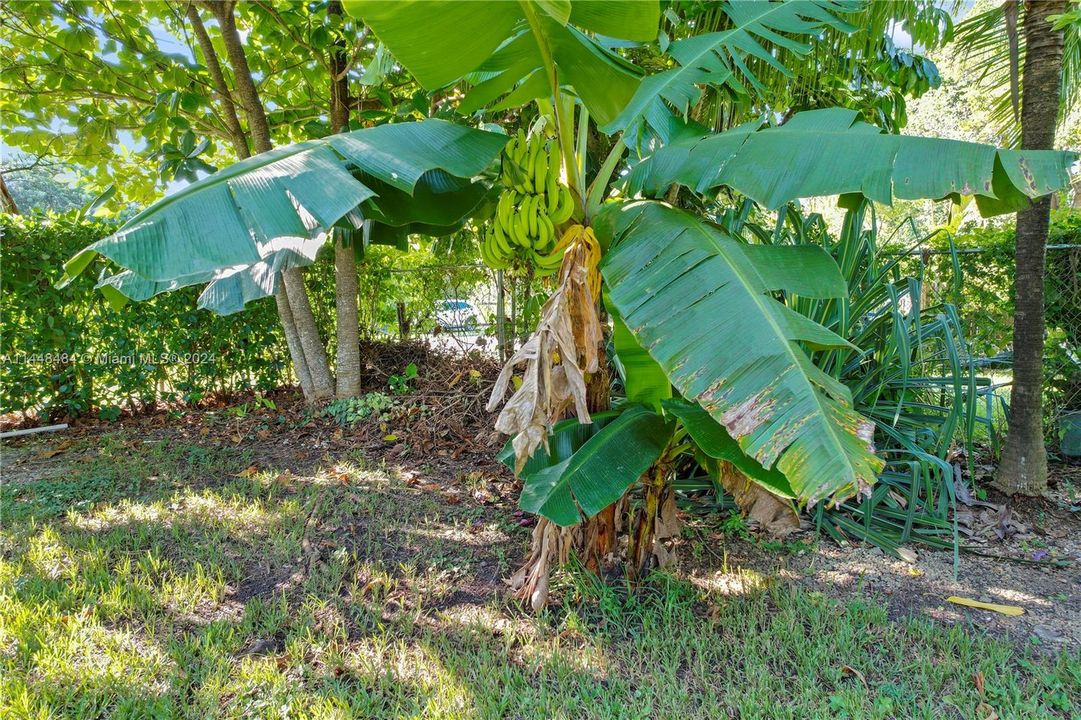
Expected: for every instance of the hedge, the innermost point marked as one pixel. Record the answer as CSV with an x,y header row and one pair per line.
x,y
67,352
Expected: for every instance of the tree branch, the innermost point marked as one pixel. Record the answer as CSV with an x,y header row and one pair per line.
x,y
213,66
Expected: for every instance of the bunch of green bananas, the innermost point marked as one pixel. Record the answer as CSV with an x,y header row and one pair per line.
x,y
530,210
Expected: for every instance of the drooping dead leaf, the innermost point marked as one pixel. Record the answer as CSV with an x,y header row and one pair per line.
x,y
562,349
774,515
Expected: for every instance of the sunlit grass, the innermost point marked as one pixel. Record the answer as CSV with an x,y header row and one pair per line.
x,y
196,589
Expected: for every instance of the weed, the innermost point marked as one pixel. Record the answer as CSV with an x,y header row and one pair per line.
x,y
399,384
350,411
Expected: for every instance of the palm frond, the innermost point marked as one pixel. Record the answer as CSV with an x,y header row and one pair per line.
x,y
986,44
728,58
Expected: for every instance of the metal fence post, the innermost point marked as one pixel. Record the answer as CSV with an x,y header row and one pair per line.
x,y
500,317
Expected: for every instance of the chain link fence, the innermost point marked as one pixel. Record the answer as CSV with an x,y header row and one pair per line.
x,y
979,282
461,307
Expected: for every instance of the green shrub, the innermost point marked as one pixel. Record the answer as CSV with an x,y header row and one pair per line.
x,y
66,351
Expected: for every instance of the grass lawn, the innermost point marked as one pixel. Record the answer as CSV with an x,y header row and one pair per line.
x,y
159,578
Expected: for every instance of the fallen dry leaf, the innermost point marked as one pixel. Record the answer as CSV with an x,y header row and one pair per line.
x,y
849,670
1011,610
983,710
53,452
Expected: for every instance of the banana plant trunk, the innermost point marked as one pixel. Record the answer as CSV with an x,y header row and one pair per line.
x,y
1023,469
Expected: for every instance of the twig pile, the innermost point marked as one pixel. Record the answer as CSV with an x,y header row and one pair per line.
x,y
445,403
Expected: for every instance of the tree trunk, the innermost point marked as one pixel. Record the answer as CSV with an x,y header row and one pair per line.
x,y
313,354
7,203
1024,460
347,363
240,146
213,66
292,341
245,85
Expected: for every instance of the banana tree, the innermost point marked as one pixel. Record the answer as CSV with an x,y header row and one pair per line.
x,y
714,362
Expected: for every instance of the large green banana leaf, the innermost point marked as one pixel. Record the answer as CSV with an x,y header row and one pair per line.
x,y
699,302
442,41
599,471
713,439
566,437
239,227
722,58
831,152
644,381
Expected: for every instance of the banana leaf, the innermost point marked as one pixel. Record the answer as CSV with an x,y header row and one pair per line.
x,y
713,439
441,42
237,228
644,381
562,487
698,301
832,152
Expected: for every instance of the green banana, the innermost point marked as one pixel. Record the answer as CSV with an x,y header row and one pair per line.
x,y
531,214
499,238
491,258
562,213
540,170
545,233
531,166
554,161
521,229
547,264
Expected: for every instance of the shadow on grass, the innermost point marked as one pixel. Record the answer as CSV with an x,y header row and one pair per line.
x,y
202,590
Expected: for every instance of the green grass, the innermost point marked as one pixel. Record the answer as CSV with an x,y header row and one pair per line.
x,y
163,580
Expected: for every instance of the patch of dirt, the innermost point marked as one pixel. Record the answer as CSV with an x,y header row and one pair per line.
x,y
1038,570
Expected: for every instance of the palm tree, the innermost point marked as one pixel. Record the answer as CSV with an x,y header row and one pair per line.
x,y
1024,460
